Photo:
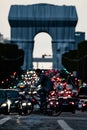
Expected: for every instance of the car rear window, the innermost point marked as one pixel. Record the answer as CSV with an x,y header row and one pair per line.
x,y
83,91
2,94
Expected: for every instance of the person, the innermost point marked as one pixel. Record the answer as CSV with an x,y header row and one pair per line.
x,y
46,86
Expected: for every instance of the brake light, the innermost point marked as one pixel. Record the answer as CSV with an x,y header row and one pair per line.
x,y
52,93
71,103
57,103
51,103
33,100
84,104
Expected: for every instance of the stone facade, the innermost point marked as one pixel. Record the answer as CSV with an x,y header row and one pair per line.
x,y
59,22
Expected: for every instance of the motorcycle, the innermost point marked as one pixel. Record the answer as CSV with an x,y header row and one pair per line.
x,y
54,104
25,105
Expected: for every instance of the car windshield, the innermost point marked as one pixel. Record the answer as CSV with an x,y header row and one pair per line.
x,y
83,91
12,93
2,94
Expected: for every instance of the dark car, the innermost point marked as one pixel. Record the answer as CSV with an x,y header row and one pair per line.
x,y
4,102
13,96
82,99
67,104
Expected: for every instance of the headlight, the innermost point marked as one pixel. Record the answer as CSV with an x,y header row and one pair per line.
x,y
4,105
34,92
29,103
23,104
23,92
16,101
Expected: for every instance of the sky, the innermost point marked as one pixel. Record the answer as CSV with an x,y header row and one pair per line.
x,y
81,7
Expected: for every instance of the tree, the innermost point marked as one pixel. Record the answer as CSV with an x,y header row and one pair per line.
x,y
76,60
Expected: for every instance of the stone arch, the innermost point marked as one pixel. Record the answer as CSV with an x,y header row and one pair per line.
x,y
58,21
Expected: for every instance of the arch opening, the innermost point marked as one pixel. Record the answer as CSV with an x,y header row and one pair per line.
x,y
42,52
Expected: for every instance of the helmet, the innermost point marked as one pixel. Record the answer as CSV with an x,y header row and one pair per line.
x,y
38,70
21,85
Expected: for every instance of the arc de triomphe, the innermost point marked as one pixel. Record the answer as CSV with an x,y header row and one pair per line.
x,y
59,22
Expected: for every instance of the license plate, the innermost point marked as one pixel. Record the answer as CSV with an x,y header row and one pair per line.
x,y
79,105
65,104
12,106
48,106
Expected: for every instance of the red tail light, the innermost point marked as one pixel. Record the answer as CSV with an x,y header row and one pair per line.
x,y
51,103
53,93
84,104
33,100
57,103
71,103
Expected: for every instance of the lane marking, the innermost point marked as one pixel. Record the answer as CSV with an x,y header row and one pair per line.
x,y
32,116
73,118
64,125
2,121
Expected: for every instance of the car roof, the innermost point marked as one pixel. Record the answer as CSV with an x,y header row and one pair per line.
x,y
2,89
11,89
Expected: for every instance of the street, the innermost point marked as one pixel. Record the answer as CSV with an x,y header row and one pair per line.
x,y
66,121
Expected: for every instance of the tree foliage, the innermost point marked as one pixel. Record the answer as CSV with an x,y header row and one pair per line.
x,y
11,58
76,60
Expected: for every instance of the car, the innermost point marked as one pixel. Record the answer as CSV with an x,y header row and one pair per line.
x,y
82,99
4,102
67,104
13,95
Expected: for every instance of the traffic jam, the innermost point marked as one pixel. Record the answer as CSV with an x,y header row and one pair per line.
x,y
18,94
